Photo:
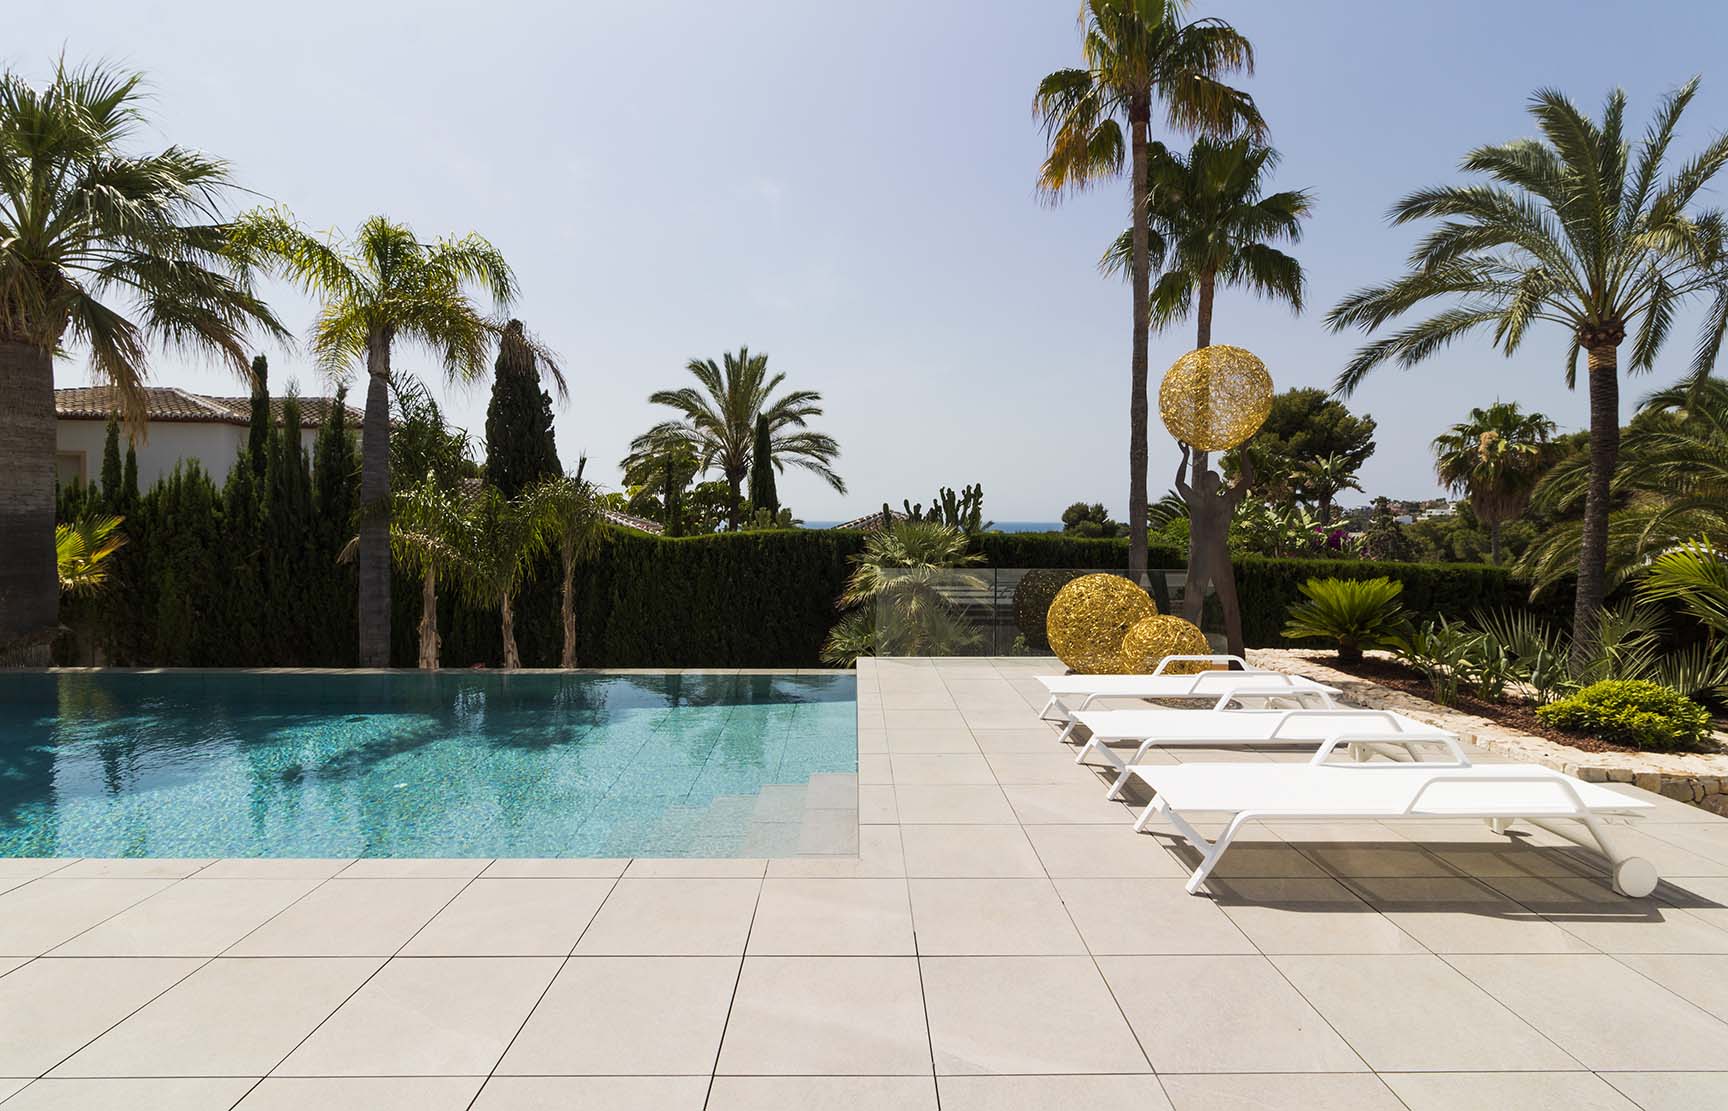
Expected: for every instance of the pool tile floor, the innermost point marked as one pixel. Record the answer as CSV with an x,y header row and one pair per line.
x,y
986,933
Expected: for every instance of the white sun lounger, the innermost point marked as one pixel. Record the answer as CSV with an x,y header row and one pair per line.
x,y
1318,790
1220,728
1083,690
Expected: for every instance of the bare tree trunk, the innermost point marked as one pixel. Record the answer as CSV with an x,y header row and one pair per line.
x,y
1604,451
429,640
1494,542
373,572
569,612
1139,115
507,627
29,579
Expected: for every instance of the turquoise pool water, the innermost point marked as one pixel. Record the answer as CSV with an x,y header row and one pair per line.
x,y
467,765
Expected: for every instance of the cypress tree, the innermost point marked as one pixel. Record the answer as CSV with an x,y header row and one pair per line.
x,y
242,598
762,492
111,468
330,608
519,445
258,431
129,484
287,540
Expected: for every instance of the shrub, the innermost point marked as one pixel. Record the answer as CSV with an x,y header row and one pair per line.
x,y
1268,587
1032,597
1353,613
1632,712
1441,651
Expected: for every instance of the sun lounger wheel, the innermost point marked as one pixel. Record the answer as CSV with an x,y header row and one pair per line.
x,y
1634,877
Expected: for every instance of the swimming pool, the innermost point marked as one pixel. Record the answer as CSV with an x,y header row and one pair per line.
x,y
470,764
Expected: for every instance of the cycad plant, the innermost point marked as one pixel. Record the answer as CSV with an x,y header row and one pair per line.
x,y
1138,55
382,286
1352,613
895,600
1576,229
718,419
104,248
1495,458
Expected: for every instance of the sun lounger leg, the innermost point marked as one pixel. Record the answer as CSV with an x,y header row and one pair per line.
x,y
1044,714
1115,791
1210,852
1633,876
1500,825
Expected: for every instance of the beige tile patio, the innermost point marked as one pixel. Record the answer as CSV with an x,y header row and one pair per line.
x,y
1669,1091
274,868
511,918
1223,1014
827,1016
981,804
412,868
627,1015
1492,1091
1464,916
593,1093
1702,980
1077,803
876,805
1373,859
922,720
1031,1015
51,1007
1148,916
874,769
46,912
1285,1091
672,917
178,1094
823,1093
233,1017
350,918
1601,1012
1410,1013
427,1016
943,768
879,856
1308,916
139,868
832,917
31,867
362,1093
672,867
1589,910
1020,740
1028,768
968,851
991,917
1101,851
572,868
1041,1093
195,918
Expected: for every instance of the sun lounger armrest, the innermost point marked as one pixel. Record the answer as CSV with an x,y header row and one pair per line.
x,y
1405,740
1558,781
1386,716
1301,694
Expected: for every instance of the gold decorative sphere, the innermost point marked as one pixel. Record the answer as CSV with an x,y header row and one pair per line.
x,y
1089,617
1213,398
1153,638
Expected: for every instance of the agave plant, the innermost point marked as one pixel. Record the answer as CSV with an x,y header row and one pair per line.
x,y
896,600
1353,613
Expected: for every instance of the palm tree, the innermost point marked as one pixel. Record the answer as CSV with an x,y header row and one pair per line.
x,y
1495,457
379,287
576,526
105,248
718,421
894,596
1574,229
502,538
83,551
427,524
1323,479
1210,223
1138,53
1670,485
660,467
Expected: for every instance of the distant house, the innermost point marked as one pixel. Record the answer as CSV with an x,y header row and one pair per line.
x,y
870,522
181,425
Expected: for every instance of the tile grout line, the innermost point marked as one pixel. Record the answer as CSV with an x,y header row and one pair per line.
x,y
732,1001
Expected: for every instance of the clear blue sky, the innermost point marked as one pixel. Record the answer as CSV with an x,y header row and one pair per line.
x,y
849,187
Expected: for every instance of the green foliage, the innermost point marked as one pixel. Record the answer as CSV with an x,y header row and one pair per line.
x,y
1496,456
1032,597
894,600
111,466
1090,520
1384,537
1631,712
1441,650
258,418
763,495
84,549
1304,426
520,449
1353,613
1695,575
1269,587
963,511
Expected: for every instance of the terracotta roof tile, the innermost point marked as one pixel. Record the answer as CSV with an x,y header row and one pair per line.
x,y
168,403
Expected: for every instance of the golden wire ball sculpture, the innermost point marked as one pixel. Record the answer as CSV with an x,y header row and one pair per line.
x,y
1153,638
1089,618
1213,398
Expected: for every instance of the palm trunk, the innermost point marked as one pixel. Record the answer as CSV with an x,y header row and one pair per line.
x,y
1139,115
29,579
507,630
1203,312
569,612
734,506
1325,510
373,573
1494,542
429,620
1604,450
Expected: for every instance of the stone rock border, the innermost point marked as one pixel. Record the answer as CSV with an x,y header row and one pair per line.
x,y
1700,779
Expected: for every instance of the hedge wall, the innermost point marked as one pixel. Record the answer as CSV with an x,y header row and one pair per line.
x,y
1267,587
1044,549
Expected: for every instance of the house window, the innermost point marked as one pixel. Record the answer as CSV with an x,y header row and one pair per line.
x,y
70,465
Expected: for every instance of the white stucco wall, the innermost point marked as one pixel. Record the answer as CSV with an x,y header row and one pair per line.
x,y
214,445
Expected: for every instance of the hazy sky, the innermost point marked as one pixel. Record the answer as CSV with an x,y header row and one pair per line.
x,y
849,187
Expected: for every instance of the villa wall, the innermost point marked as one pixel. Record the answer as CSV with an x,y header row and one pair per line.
x,y
78,448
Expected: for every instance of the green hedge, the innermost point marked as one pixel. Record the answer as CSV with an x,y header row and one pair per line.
x,y
1268,587
1046,549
